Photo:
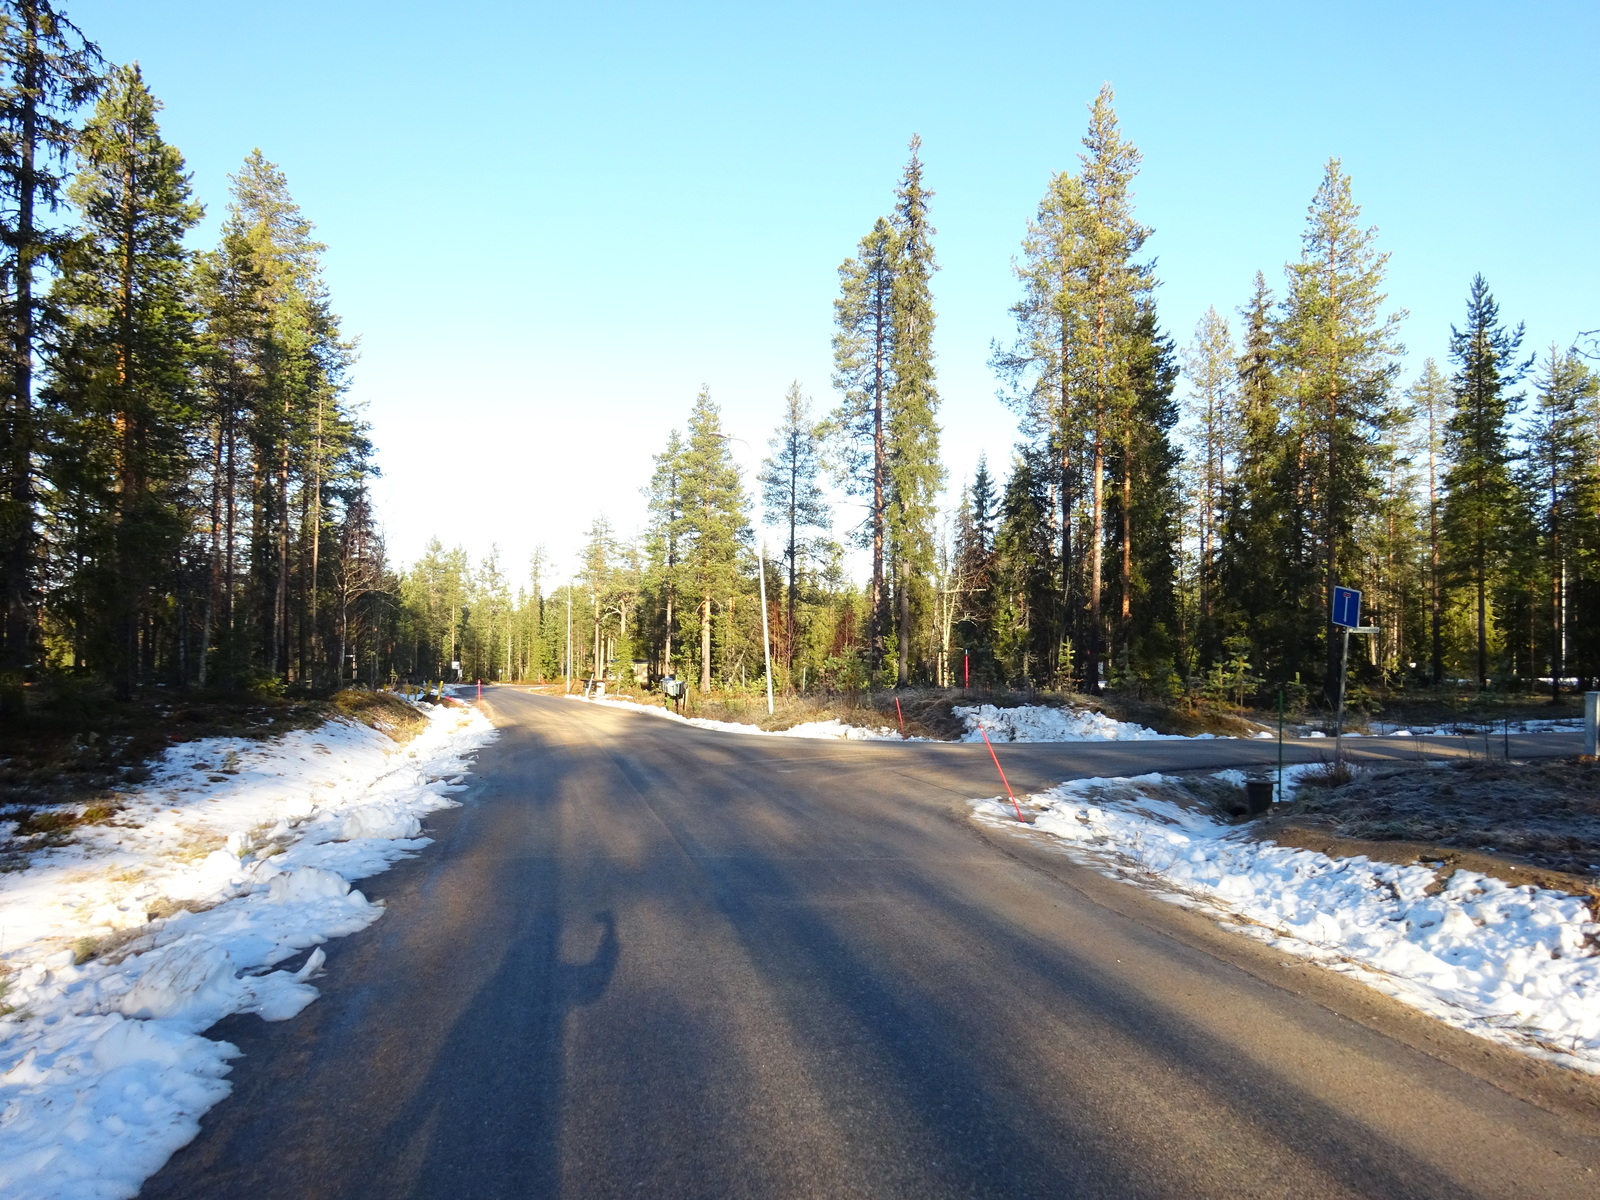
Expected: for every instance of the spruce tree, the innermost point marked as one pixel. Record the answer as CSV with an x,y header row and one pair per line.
x,y
1429,398
863,348
714,523
665,541
1254,592
1561,477
792,496
974,565
47,71
1146,506
120,374
1481,498
912,432
1021,577
1213,419
1047,369
1338,351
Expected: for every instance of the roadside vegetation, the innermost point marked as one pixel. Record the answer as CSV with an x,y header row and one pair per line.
x,y
65,757
1523,823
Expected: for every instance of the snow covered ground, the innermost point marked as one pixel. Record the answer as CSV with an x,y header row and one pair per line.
x,y
835,729
1468,728
1518,965
249,850
1041,723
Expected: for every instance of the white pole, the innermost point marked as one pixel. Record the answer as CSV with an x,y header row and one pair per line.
x,y
569,635
766,638
1591,723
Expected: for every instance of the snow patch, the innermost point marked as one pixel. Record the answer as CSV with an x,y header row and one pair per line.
x,y
252,847
1514,964
1042,723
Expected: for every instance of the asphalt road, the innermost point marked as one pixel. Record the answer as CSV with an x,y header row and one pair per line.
x,y
649,960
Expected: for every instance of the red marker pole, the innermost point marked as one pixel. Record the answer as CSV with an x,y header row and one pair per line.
x,y
966,670
480,691
901,715
1002,771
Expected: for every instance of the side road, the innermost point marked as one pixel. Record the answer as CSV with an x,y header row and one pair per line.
x,y
653,959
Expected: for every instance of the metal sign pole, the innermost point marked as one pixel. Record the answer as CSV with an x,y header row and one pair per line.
x,y
1338,727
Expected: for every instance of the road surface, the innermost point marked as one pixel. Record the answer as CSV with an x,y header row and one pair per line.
x,y
650,960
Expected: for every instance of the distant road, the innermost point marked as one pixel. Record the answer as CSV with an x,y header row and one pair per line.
x,y
646,959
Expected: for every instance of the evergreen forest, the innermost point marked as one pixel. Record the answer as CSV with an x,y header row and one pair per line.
x,y
184,480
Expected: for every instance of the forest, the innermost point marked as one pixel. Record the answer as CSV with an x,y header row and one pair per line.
x,y
1173,519
184,480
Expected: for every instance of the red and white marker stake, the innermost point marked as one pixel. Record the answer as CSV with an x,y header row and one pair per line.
x,y
1002,771
901,715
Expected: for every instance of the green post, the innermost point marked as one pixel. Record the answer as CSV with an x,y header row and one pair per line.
x,y
1280,745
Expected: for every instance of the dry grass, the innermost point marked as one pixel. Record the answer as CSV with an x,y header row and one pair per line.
x,y
383,711
1513,820
927,711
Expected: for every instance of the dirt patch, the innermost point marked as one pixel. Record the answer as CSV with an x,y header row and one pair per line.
x,y
1535,823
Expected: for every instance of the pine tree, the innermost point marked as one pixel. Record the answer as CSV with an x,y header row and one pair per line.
x,y
47,71
793,497
1254,590
1561,477
1047,369
863,347
974,554
665,541
1429,398
1480,494
121,384
1146,506
1337,351
1021,577
914,472
714,523
1116,287
1213,416
278,372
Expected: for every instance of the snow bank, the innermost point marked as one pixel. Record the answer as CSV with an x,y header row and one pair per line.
x,y
1476,728
104,1071
1515,964
1041,723
833,729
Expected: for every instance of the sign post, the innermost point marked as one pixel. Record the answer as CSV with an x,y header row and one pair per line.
x,y
1347,615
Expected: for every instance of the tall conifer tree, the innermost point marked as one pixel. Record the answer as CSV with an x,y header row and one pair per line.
x,y
47,70
863,351
1338,352
714,524
121,379
1481,498
792,495
914,470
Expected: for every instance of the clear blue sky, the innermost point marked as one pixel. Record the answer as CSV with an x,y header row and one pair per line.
x,y
549,224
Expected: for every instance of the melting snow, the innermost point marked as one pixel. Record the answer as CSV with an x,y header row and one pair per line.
x,y
1041,723
104,1071
1515,964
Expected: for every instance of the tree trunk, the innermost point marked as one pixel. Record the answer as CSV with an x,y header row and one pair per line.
x,y
18,617
705,645
1096,558
902,579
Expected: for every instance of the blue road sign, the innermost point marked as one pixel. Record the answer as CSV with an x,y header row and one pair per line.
x,y
1346,607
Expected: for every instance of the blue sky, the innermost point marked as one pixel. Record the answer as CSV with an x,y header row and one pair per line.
x,y
549,225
